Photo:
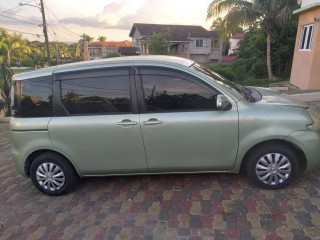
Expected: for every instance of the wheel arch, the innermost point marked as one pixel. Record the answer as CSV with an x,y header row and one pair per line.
x,y
37,153
296,149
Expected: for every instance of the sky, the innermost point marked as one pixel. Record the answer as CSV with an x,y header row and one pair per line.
x,y
68,19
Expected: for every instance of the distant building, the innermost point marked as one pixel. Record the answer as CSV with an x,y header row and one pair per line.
x,y
234,43
98,50
193,42
305,72
129,51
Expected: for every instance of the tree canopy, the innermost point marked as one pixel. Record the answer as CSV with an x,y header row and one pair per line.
x,y
102,38
159,43
264,14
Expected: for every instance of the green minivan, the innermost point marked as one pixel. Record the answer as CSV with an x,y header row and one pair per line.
x,y
155,115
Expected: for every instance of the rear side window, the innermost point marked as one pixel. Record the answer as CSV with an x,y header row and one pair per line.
x,y
96,93
33,97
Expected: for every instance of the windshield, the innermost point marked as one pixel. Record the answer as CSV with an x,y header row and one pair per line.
x,y
245,92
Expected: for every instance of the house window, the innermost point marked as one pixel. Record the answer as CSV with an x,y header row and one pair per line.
x,y
214,43
199,42
306,37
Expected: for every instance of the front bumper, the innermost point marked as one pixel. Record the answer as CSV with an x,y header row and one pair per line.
x,y
309,143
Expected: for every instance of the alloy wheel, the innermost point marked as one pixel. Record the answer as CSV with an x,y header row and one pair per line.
x,y
50,176
273,168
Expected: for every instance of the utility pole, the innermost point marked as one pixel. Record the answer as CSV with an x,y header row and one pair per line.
x,y
57,54
45,32
44,24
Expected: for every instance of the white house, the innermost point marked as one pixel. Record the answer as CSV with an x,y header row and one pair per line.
x,y
234,43
193,42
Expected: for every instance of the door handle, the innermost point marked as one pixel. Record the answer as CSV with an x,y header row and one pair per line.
x,y
127,123
152,122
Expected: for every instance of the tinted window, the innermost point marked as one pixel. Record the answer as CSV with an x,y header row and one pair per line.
x,y
97,95
172,93
33,97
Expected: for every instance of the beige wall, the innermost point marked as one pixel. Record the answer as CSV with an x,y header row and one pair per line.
x,y
305,72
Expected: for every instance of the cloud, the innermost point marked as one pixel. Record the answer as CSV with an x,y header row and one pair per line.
x,y
122,14
113,15
84,21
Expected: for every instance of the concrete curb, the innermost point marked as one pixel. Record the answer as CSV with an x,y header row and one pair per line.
x,y
307,97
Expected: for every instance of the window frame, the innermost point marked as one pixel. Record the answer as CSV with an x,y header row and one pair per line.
x,y
306,35
59,109
199,42
157,70
16,109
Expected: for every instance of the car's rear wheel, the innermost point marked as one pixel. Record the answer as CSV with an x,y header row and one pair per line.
x,y
52,174
272,166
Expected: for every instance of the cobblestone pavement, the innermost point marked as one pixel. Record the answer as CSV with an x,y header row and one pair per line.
x,y
209,206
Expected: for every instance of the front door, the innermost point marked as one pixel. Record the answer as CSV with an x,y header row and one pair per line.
x,y
182,128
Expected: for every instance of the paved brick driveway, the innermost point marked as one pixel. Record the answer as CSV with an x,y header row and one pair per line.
x,y
211,206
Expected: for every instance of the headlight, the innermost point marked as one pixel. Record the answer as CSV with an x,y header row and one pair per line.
x,y
316,122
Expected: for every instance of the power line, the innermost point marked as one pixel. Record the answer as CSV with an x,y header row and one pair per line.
x,y
8,10
53,35
53,29
18,20
78,35
23,17
11,30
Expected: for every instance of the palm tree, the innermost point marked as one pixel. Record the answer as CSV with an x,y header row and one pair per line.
x,y
266,14
102,38
13,45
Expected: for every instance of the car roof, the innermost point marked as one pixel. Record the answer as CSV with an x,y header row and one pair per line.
x,y
109,62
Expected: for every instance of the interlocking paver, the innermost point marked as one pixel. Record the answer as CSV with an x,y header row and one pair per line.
x,y
209,206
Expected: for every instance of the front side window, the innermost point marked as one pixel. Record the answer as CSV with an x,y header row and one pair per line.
x,y
168,92
199,42
96,95
306,37
33,97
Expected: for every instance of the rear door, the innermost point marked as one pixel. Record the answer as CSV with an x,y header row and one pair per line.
x,y
96,121
182,128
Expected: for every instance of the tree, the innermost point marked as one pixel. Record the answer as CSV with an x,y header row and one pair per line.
x,y
159,43
219,25
86,37
266,14
5,86
102,38
13,45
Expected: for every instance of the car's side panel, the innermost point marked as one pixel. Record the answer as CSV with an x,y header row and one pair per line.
x,y
309,142
98,145
27,136
191,141
184,140
260,122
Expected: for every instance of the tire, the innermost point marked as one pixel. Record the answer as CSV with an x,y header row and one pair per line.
x,y
52,174
272,166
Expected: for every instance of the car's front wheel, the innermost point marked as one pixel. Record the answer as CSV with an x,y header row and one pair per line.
x,y
52,174
272,166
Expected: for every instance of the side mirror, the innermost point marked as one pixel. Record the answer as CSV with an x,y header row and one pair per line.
x,y
222,102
